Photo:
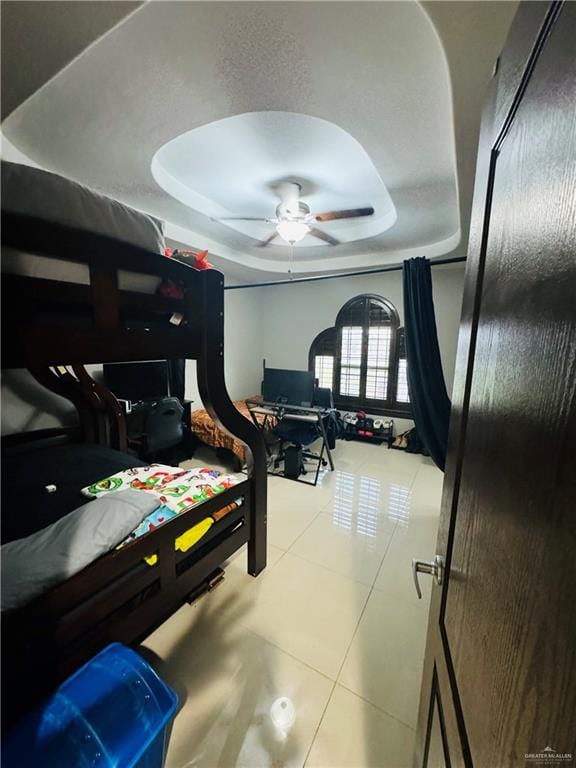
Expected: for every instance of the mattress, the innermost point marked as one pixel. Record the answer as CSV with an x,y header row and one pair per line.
x,y
51,198
43,484
48,482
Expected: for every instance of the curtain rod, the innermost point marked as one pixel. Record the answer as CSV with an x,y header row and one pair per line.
x,y
315,278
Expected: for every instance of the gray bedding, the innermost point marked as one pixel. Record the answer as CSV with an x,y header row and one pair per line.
x,y
31,565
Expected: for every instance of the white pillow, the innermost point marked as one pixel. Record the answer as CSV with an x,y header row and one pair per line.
x,y
32,565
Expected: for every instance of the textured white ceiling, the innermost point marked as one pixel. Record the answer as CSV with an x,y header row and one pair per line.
x,y
235,167
40,38
377,70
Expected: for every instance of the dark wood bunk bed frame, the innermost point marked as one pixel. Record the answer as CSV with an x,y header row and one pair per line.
x,y
48,323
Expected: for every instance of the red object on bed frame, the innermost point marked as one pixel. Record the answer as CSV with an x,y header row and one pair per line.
x,y
48,323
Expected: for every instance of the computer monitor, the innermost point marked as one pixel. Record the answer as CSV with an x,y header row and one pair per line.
x,y
289,387
137,381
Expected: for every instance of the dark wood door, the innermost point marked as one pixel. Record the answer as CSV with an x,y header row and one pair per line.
x,y
499,683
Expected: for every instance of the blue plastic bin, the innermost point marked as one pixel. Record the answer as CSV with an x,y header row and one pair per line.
x,y
114,712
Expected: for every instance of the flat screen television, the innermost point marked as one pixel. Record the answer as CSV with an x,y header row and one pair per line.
x,y
138,381
289,387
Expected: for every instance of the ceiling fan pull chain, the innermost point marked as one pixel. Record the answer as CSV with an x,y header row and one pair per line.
x,y
291,261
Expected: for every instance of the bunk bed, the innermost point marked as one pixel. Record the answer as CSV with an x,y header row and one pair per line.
x,y
81,288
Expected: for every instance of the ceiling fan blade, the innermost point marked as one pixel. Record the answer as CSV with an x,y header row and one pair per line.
x,y
323,236
352,213
264,243
240,218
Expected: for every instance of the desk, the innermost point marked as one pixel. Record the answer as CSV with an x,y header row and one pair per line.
x,y
297,413
287,415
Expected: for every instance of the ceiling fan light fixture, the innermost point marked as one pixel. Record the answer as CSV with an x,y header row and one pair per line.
x,y
292,231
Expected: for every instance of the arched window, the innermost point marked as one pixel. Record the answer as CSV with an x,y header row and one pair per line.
x,y
363,359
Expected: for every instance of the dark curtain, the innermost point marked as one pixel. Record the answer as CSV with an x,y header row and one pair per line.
x,y
428,396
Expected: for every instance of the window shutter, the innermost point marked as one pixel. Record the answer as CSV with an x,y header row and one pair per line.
x,y
351,360
378,361
324,370
378,314
321,358
353,313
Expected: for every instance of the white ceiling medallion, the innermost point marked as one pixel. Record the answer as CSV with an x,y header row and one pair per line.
x,y
250,166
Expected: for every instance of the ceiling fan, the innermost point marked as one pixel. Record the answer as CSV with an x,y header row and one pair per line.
x,y
294,220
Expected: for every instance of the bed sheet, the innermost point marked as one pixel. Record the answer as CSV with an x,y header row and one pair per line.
x,y
204,427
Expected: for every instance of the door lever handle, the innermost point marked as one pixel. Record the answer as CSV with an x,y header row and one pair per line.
x,y
434,568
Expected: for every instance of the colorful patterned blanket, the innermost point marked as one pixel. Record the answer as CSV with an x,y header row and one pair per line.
x,y
177,489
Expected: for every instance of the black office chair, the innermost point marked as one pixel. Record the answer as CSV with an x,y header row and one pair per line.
x,y
163,427
295,437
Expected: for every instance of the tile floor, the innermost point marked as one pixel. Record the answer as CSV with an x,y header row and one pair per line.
x,y
316,662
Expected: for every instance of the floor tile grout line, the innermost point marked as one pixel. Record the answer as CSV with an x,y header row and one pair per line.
x,y
385,556
329,570
305,763
303,532
337,676
386,519
334,681
371,590
339,672
271,642
366,701
370,587
397,527
291,655
321,720
337,573
344,662
250,629
376,706
338,682
268,640
354,633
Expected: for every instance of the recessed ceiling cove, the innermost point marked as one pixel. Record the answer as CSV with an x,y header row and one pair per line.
x,y
350,99
237,167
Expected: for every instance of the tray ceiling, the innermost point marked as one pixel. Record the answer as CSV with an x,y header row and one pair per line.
x,y
373,73
235,167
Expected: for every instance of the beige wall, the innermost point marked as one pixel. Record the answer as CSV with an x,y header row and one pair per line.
x,y
295,314
242,346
